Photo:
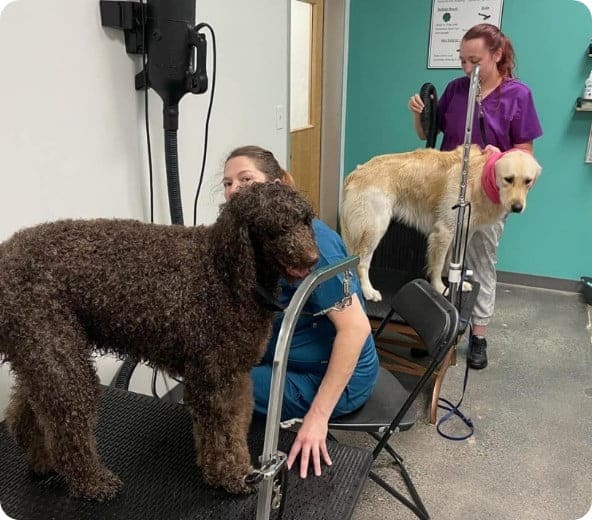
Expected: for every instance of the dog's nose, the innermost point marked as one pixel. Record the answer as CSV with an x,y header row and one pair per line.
x,y
517,207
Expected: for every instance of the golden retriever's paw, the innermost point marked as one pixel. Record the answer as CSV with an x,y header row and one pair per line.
x,y
372,294
440,287
467,286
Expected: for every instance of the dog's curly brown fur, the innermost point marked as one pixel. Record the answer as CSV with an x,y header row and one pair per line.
x,y
178,297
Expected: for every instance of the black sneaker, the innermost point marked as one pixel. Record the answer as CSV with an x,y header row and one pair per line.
x,y
477,354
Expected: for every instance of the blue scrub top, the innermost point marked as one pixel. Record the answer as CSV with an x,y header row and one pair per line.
x,y
313,337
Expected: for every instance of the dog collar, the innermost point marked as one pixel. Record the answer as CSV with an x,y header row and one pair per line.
x,y
488,180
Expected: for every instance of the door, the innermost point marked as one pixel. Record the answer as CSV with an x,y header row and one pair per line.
x,y
306,66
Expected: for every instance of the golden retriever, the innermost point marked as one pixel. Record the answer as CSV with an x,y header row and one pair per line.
x,y
420,188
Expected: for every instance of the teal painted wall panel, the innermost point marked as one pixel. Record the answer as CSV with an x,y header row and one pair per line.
x,y
388,46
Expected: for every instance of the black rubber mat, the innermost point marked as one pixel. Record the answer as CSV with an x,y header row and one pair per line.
x,y
149,444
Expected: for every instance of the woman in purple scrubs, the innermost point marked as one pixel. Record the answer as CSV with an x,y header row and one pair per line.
x,y
505,117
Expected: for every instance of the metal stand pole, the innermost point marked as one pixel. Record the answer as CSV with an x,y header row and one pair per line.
x,y
271,460
455,271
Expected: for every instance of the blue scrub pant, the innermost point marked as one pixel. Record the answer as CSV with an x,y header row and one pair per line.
x,y
299,392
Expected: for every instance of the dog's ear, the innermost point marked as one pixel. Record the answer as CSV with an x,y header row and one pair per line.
x,y
232,251
538,170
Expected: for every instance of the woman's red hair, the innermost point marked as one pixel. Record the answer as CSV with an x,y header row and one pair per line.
x,y
495,39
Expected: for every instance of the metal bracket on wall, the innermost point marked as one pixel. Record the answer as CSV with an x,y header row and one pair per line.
x,y
126,16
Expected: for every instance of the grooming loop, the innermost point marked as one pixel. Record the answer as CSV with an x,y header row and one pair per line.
x,y
273,470
267,470
457,248
345,301
270,457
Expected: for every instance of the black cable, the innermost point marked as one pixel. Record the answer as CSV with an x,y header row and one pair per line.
x,y
146,121
462,266
207,126
128,366
153,383
453,410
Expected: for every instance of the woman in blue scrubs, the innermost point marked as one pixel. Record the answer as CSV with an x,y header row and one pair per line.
x,y
332,362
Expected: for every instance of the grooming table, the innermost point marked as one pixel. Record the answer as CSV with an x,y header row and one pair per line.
x,y
149,444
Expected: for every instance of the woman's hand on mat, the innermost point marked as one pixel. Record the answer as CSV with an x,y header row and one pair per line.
x,y
311,441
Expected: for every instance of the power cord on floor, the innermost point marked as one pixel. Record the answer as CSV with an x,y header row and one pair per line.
x,y
453,410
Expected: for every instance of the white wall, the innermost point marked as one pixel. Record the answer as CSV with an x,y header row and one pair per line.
x,y
72,141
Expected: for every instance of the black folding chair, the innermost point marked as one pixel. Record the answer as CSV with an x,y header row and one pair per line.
x,y
436,321
399,258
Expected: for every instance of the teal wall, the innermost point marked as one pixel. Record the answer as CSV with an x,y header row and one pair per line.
x,y
388,43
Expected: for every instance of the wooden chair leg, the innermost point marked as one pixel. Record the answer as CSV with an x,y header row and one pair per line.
x,y
442,369
396,363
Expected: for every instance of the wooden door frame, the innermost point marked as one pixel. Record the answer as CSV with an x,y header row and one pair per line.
x,y
335,61
307,139
316,72
334,78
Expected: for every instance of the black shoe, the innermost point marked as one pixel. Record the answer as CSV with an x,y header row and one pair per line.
x,y
477,354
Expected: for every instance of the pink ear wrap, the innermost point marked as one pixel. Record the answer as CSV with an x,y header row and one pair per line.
x,y
488,177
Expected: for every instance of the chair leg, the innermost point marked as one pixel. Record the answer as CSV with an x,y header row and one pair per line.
x,y
419,509
396,363
398,459
417,505
442,369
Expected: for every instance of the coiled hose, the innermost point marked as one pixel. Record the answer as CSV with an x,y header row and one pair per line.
x,y
172,170
428,95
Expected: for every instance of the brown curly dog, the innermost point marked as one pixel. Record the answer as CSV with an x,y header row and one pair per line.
x,y
180,298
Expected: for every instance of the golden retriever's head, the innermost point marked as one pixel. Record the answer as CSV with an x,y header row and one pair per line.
x,y
515,173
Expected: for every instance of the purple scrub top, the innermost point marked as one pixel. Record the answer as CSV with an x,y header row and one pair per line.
x,y
509,114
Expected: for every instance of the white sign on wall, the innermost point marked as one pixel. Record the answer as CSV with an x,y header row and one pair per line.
x,y
450,21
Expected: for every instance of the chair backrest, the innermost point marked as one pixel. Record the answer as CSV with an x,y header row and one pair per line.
x,y
430,314
436,322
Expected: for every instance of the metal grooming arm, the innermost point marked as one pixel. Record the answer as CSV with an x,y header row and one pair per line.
x,y
272,460
455,271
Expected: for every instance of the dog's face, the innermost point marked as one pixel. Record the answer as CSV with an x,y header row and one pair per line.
x,y
515,173
279,222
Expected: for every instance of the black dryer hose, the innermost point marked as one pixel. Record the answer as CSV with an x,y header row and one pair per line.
x,y
172,170
428,95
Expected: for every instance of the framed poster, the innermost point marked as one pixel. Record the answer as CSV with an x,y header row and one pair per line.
x,y
450,21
